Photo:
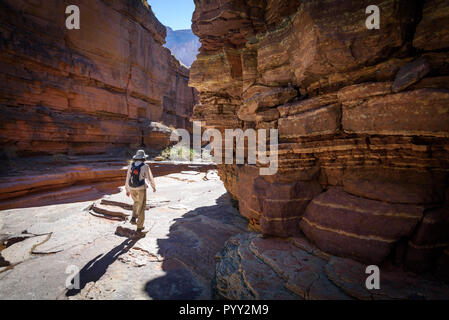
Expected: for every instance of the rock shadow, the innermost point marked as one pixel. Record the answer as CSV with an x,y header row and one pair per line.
x,y
97,267
189,251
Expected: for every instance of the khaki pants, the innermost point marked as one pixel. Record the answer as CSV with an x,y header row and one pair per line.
x,y
140,201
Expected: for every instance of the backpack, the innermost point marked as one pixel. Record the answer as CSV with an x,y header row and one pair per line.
x,y
134,180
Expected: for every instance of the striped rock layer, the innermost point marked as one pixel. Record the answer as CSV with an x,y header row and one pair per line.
x,y
87,90
362,116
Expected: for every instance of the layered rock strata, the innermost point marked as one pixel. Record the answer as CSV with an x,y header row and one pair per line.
x,y
362,116
252,267
87,90
77,179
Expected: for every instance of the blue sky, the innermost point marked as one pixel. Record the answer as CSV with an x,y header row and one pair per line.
x,y
176,14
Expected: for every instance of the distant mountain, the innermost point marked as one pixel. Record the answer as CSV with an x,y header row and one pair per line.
x,y
183,44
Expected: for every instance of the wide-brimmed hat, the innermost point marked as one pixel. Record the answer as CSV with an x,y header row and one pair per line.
x,y
140,155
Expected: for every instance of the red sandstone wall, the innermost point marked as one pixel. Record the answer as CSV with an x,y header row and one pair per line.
x,y
363,120
87,90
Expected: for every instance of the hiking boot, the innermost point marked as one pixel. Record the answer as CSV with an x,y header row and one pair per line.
x,y
142,230
140,233
133,221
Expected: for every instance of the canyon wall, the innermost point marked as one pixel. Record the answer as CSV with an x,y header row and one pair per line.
x,y
87,90
362,116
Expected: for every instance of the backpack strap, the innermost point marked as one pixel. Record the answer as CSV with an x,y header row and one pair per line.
x,y
133,164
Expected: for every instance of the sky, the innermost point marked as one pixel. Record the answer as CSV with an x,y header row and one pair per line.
x,y
176,14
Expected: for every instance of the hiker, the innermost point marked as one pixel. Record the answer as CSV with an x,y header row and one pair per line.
x,y
135,185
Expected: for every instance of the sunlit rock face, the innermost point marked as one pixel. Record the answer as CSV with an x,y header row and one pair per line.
x,y
86,90
363,120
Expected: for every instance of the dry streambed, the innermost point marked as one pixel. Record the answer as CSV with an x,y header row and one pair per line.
x,y
189,217
198,247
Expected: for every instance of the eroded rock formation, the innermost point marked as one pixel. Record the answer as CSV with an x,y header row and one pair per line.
x,y
253,267
86,90
363,120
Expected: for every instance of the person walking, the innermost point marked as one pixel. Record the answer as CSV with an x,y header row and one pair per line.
x,y
136,186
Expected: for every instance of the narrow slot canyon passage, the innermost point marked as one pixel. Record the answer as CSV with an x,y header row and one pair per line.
x,y
356,116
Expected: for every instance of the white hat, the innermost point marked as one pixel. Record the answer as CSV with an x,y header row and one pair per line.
x,y
140,155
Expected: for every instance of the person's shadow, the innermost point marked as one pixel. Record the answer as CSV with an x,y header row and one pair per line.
x,y
97,267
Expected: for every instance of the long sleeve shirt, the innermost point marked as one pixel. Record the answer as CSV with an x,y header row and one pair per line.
x,y
145,173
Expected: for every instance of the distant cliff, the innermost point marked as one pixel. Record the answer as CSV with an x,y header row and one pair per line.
x,y
183,44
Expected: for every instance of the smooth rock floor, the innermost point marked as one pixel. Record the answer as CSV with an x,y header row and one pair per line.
x,y
197,247
189,220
